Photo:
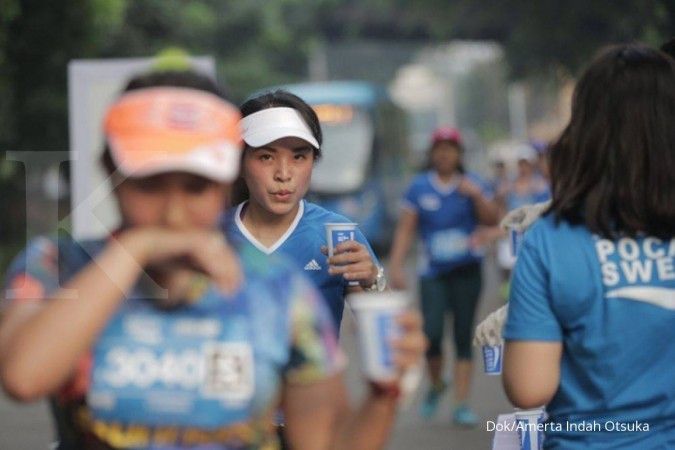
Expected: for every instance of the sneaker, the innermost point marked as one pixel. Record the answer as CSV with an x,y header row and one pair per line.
x,y
464,416
430,404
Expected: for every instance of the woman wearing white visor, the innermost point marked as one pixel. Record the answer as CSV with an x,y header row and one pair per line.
x,y
283,140
282,137
161,336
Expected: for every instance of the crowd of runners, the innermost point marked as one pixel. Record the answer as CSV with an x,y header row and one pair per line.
x,y
194,326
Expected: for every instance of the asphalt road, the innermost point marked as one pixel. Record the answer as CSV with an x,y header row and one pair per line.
x,y
28,427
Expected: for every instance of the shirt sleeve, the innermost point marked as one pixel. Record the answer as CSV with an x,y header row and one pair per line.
x,y
315,353
530,316
409,200
33,274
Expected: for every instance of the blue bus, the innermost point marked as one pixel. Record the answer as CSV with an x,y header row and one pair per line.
x,y
365,154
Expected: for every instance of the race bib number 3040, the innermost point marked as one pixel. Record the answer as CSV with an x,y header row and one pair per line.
x,y
172,371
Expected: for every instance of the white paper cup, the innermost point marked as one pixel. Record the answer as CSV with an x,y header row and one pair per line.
x,y
376,314
493,356
529,422
339,232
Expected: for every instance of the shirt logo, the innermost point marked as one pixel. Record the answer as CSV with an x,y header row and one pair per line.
x,y
430,202
638,269
312,265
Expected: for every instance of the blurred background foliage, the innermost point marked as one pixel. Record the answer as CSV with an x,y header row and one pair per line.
x,y
258,43
262,42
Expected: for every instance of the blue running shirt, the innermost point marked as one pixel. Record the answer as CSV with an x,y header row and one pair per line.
x,y
611,303
302,244
446,220
200,376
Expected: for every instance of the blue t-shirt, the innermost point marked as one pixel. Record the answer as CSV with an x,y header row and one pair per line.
x,y
446,219
302,244
204,375
611,304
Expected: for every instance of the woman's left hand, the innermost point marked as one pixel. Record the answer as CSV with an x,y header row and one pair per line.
x,y
352,260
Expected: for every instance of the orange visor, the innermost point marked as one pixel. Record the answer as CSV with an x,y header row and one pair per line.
x,y
167,129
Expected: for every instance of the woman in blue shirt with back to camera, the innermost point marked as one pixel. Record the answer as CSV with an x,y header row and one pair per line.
x,y
591,320
445,205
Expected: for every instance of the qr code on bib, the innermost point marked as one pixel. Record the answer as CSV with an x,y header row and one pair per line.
x,y
229,371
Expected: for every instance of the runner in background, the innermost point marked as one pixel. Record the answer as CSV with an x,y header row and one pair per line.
x,y
444,206
527,187
590,328
283,140
162,336
499,176
541,147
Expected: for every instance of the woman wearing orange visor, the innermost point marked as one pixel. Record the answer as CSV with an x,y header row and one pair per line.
x,y
162,336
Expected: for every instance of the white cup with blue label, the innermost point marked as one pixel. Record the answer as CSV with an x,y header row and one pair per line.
x,y
529,424
337,233
376,318
515,240
493,356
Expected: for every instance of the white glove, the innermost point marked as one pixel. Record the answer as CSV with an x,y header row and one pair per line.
x,y
521,218
489,331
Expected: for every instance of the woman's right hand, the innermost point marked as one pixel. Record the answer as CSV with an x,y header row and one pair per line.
x,y
204,251
521,218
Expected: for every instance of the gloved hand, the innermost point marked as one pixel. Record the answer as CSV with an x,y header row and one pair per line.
x,y
521,218
489,331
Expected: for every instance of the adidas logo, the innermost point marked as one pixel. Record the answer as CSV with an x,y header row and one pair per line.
x,y
313,265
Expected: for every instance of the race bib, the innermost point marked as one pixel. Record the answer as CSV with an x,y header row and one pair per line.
x,y
448,245
187,367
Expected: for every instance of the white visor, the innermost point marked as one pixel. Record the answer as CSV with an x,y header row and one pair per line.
x,y
268,125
